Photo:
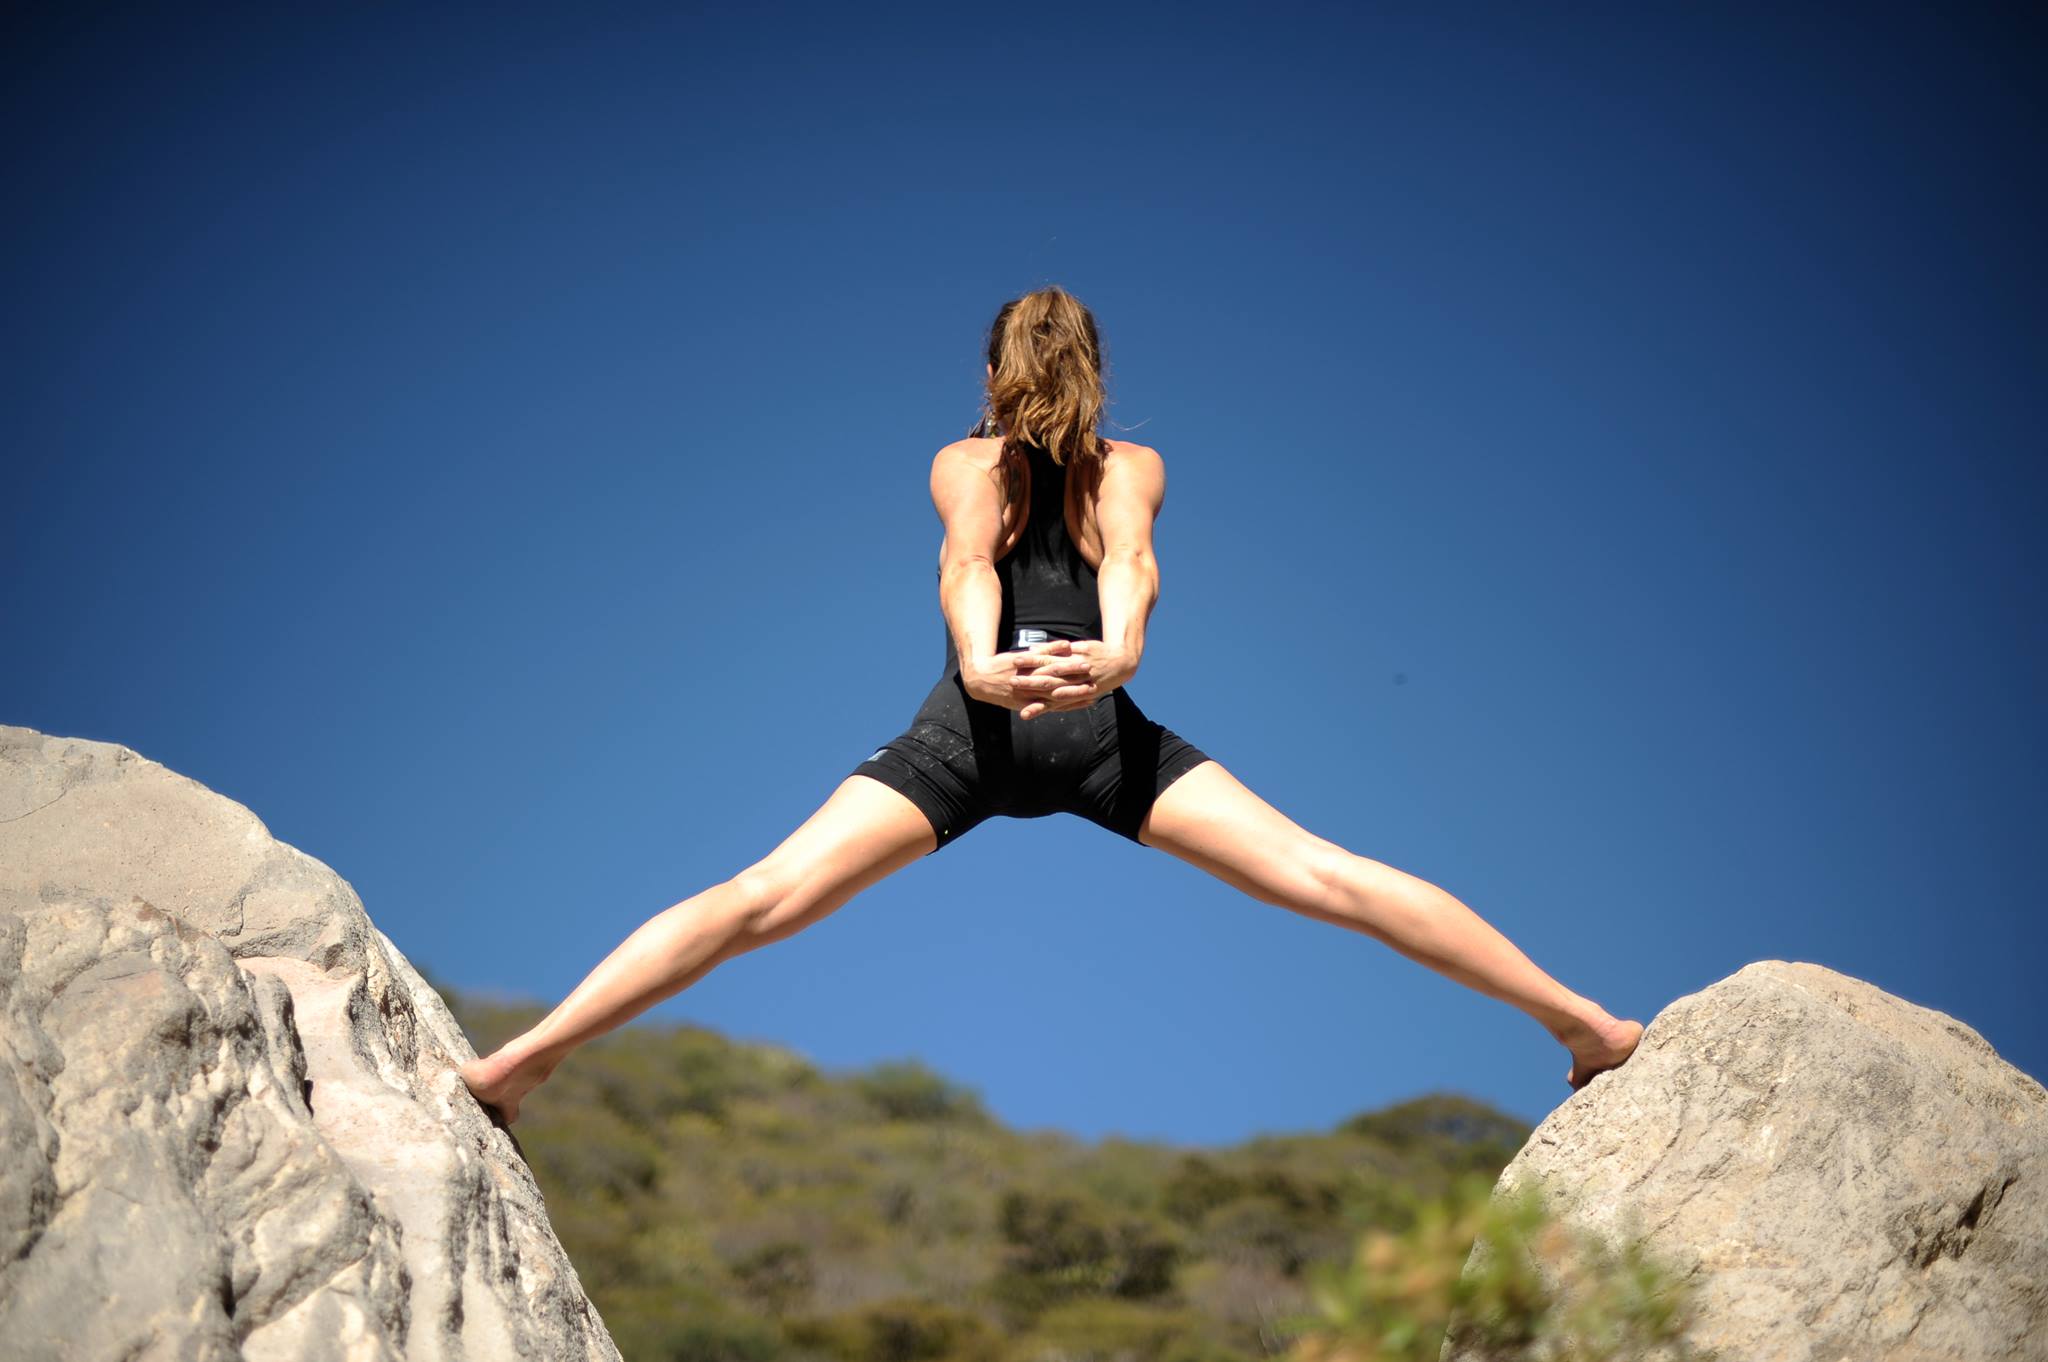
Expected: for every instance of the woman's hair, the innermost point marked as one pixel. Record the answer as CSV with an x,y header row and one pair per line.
x,y
1046,388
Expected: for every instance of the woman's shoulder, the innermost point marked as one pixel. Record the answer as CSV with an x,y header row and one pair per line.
x,y
987,451
1130,453
972,456
1140,451
975,448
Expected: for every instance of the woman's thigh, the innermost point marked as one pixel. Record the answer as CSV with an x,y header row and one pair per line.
x,y
862,834
1211,820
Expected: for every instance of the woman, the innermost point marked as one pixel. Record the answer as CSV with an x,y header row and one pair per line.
x,y
1046,581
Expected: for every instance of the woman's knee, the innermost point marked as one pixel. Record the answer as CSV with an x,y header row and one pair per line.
x,y
776,902
1325,874
1304,873
1364,890
757,892
1322,879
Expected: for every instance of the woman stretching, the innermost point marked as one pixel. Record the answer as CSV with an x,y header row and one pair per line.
x,y
1046,579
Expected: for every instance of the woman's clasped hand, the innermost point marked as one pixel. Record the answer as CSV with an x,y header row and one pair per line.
x,y
1061,674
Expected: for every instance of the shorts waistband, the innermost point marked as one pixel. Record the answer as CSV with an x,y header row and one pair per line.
x,y
1024,636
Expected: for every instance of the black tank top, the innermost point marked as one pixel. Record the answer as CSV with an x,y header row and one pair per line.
x,y
1046,582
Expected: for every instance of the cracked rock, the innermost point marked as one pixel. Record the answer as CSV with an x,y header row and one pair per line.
x,y
1841,1173
231,1124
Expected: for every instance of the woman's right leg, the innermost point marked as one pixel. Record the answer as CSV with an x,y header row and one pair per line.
x,y
865,832
1210,819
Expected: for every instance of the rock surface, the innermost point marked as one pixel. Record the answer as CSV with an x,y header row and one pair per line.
x,y
231,1124
1842,1174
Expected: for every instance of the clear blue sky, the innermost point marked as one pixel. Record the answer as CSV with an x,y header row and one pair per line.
x,y
1605,478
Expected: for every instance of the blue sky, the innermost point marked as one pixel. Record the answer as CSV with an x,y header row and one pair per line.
x,y
1604,461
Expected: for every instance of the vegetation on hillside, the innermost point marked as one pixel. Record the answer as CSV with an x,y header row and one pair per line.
x,y
1535,1291
731,1202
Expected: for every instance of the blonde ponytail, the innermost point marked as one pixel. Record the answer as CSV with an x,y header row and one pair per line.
x,y
1046,389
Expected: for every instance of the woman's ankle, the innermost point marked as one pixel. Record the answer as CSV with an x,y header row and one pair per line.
x,y
532,1056
1585,1023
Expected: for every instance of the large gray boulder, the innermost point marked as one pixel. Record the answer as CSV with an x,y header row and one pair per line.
x,y
231,1124
1844,1176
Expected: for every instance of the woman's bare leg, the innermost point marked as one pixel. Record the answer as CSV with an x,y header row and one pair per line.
x,y
1211,820
863,833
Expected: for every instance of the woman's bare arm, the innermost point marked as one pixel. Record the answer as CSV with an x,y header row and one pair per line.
x,y
1127,583
968,499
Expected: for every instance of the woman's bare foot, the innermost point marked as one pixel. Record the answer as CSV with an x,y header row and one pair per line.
x,y
500,1080
1599,1048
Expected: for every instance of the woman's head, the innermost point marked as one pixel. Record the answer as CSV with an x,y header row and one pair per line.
x,y
1045,374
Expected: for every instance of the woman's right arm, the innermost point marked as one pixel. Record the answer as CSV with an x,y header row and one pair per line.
x,y
1127,582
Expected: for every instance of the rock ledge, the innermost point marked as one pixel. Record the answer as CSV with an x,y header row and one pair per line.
x,y
1844,1174
231,1124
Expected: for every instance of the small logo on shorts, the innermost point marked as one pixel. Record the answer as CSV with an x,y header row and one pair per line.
x,y
878,752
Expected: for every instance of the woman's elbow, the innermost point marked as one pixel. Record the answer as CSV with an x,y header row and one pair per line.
x,y
1137,562
953,565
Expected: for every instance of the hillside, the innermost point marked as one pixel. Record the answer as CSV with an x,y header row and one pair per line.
x,y
723,1199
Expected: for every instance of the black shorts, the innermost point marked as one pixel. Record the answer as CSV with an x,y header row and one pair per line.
x,y
962,760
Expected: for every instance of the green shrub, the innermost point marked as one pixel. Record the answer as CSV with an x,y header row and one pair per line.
x,y
908,1090
899,1331
778,1274
1060,1250
660,1326
1537,1291
1255,1230
1196,1186
1106,1330
1463,1134
588,1151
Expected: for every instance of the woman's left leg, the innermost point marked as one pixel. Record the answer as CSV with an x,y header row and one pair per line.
x,y
1209,819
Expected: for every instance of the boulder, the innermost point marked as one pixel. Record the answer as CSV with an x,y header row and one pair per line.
x,y
1840,1173
231,1124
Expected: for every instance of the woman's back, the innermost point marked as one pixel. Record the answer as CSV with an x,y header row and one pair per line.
x,y
1047,582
